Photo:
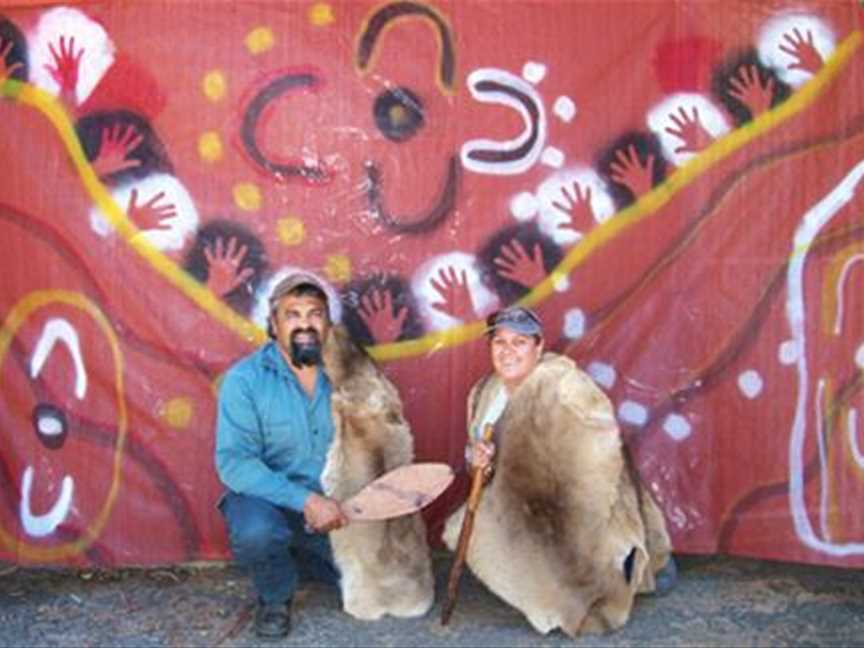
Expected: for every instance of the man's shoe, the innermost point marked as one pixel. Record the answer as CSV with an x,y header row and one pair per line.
x,y
273,620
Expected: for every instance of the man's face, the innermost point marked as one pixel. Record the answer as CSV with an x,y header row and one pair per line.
x,y
514,355
301,324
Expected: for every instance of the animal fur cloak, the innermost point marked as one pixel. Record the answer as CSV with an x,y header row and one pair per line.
x,y
564,532
385,565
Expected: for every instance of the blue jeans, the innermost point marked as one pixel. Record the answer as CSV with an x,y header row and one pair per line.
x,y
272,543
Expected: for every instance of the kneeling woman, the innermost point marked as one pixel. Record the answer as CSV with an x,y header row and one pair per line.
x,y
564,531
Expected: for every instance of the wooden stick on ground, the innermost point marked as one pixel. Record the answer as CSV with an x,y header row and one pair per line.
x,y
464,536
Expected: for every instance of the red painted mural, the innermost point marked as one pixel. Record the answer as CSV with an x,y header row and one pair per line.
x,y
675,187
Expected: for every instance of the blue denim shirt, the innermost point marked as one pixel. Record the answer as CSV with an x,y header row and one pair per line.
x,y
271,438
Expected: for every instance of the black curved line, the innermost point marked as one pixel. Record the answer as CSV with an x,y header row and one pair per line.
x,y
427,222
530,106
379,20
249,127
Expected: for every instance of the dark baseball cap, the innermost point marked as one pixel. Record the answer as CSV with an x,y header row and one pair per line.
x,y
516,318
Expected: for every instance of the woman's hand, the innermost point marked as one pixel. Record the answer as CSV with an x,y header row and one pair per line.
x,y
481,455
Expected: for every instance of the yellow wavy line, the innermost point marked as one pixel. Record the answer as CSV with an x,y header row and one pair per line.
x,y
648,203
593,241
55,112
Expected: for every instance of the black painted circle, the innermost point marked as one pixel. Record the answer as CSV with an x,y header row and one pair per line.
x,y
398,114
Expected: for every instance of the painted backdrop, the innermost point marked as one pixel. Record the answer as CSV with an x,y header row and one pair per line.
x,y
675,187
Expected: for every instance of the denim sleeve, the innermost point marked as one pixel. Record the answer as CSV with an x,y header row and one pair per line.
x,y
240,449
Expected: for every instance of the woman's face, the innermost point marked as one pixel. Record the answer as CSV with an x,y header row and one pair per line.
x,y
514,356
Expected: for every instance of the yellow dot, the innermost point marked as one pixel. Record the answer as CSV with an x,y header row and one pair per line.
x,y
247,196
398,115
291,230
321,14
338,268
177,412
259,40
210,146
214,85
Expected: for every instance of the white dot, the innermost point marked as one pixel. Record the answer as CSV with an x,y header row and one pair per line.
x,y
574,323
632,412
859,357
750,383
533,72
788,352
564,108
603,373
524,206
50,426
552,157
677,427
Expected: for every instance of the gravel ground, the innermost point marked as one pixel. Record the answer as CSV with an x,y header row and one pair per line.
x,y
717,602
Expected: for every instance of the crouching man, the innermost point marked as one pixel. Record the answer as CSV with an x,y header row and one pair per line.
x,y
303,422
564,531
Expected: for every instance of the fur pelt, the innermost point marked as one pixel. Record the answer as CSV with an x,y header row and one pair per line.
x,y
561,525
385,565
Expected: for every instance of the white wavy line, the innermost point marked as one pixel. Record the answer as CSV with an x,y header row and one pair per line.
x,y
811,223
838,318
852,429
513,166
40,526
823,463
62,330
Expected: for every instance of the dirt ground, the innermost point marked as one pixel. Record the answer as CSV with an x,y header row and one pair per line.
x,y
717,602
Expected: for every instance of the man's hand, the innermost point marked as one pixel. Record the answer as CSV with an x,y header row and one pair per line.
x,y
323,514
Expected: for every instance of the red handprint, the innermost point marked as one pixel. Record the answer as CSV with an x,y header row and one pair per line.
x,y
114,148
7,70
376,311
748,88
224,266
66,64
808,57
517,265
690,131
454,292
577,206
630,171
150,215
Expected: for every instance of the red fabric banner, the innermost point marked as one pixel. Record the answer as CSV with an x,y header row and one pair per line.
x,y
675,187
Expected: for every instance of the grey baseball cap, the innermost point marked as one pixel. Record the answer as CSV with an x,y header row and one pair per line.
x,y
516,318
292,281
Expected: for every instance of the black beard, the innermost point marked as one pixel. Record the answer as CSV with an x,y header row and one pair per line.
x,y
305,353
